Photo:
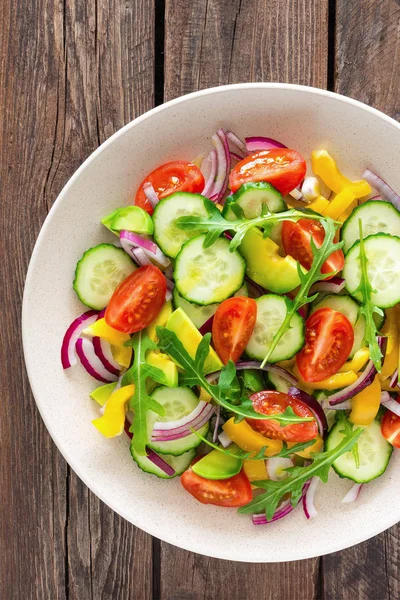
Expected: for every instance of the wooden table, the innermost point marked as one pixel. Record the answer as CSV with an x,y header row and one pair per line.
x,y
72,73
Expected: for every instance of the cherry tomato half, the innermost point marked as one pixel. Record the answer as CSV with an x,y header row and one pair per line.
x,y
296,242
176,176
329,340
232,327
232,492
274,403
137,300
283,168
390,427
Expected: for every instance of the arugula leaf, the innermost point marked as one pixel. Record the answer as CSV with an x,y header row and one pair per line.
x,y
297,477
347,429
260,455
307,279
141,402
367,307
215,224
194,375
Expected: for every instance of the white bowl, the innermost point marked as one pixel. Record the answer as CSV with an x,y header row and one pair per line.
x,y
303,118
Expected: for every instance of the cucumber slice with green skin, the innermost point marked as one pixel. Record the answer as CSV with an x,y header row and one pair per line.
x,y
359,332
178,403
373,450
100,270
251,197
271,311
208,275
169,237
376,216
343,304
216,465
280,384
383,268
178,463
200,314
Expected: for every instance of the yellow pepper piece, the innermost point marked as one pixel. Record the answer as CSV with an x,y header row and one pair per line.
x,y
347,212
339,204
160,320
360,358
105,332
122,355
365,405
317,447
246,438
112,422
390,330
319,205
255,470
385,385
325,167
204,396
335,382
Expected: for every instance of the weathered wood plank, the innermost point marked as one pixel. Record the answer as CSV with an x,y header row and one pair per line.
x,y
68,80
207,43
367,67
215,42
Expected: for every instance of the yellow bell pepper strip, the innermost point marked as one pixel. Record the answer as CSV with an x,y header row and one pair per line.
x,y
255,470
105,332
111,423
325,167
339,204
365,405
307,452
319,205
359,360
122,355
246,438
161,320
204,396
337,381
347,212
390,330
385,385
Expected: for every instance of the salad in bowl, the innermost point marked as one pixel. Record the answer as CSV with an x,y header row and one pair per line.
x,y
242,328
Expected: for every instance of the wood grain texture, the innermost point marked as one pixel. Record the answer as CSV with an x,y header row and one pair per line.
x,y
70,75
215,42
367,68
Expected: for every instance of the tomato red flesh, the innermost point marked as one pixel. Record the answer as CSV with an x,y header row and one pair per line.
x,y
232,327
232,492
390,427
175,176
137,300
285,169
296,242
329,340
274,403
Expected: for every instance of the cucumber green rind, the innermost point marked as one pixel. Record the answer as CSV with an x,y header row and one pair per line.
x,y
251,196
343,304
179,463
377,216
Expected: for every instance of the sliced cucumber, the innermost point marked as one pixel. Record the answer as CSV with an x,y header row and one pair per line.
x,y
271,311
178,463
251,197
373,450
178,403
343,304
100,270
169,237
279,383
359,332
376,217
208,275
383,268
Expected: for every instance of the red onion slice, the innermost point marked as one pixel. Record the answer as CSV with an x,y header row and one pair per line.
x,y
235,156
102,350
74,331
282,511
382,187
213,160
388,402
207,326
237,142
160,462
394,381
308,499
216,424
333,286
314,406
174,430
353,493
150,193
132,242
275,467
262,143
224,162
92,363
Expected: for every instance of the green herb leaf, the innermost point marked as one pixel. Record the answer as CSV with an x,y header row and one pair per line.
x,y
141,402
367,307
297,477
307,279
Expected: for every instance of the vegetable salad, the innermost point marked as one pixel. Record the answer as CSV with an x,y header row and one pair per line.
x,y
244,326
